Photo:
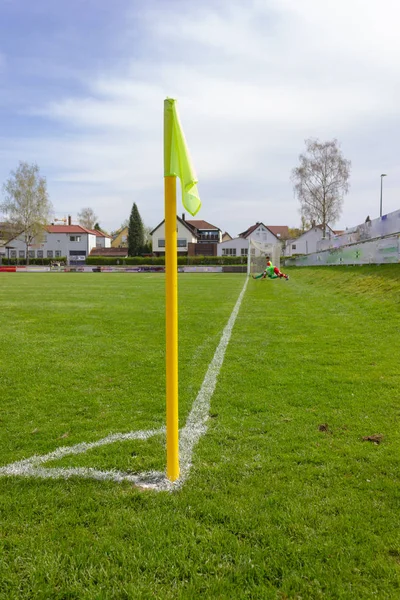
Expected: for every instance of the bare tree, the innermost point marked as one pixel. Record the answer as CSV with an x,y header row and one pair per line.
x,y
321,181
26,204
87,218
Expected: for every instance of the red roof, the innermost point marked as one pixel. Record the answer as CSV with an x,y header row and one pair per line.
x,y
67,229
74,229
281,231
99,233
201,225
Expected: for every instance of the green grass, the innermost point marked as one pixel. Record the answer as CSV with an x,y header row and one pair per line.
x,y
273,508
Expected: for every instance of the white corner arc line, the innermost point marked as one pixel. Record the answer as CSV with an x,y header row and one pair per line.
x,y
189,435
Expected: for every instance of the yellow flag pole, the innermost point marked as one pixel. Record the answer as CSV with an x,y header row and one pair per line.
x,y
177,163
171,273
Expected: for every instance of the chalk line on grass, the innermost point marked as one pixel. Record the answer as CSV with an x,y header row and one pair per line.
x,y
189,436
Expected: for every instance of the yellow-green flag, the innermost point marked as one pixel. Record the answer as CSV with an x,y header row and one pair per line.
x,y
177,161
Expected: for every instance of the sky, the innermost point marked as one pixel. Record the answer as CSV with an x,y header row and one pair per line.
x,y
82,85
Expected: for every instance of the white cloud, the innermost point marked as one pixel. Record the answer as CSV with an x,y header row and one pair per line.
x,y
253,80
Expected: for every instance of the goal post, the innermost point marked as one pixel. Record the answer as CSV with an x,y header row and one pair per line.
x,y
257,256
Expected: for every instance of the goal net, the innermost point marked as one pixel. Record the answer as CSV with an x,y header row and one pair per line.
x,y
258,254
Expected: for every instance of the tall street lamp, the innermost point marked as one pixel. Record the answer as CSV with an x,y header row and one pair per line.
x,y
382,176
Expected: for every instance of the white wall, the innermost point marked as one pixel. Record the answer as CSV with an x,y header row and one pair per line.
x,y
306,243
239,247
377,251
59,242
183,233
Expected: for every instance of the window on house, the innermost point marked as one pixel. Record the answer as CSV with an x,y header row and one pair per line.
x,y
49,253
293,246
13,254
58,253
31,254
161,243
40,253
21,254
74,238
228,251
182,243
244,251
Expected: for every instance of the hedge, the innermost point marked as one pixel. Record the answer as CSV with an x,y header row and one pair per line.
x,y
33,261
160,260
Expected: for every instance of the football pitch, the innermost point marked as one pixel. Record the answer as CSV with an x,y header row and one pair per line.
x,y
285,498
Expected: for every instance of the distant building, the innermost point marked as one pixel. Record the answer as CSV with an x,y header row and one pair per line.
x,y
280,231
239,246
307,242
185,236
195,237
120,238
73,242
226,237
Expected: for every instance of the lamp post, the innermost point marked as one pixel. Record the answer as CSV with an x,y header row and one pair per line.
x,y
382,176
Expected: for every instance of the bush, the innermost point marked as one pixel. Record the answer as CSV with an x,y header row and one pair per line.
x,y
34,261
160,260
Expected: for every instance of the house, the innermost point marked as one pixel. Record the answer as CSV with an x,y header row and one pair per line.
x,y
239,246
71,241
103,240
208,236
280,231
306,243
120,239
206,233
185,235
7,231
226,237
195,237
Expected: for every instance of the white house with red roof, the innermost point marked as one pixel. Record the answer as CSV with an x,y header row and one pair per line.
x,y
239,246
73,242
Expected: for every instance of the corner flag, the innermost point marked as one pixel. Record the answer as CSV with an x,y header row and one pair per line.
x,y
177,160
177,163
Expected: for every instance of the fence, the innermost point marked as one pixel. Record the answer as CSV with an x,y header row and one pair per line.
x,y
381,251
387,225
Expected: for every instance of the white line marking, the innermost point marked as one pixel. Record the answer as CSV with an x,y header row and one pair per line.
x,y
189,436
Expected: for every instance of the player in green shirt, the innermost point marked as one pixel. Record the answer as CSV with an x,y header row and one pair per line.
x,y
271,272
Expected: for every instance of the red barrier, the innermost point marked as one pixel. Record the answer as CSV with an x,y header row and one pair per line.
x,y
8,269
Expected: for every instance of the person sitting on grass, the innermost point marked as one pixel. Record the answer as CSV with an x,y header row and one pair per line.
x,y
271,272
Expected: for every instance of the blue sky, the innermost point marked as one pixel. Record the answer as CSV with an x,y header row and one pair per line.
x,y
82,87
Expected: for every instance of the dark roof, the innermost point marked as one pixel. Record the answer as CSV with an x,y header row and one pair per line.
x,y
250,230
112,252
201,225
183,221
